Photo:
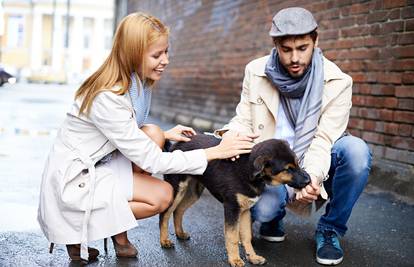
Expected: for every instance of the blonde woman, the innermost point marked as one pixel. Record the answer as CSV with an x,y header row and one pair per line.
x,y
97,180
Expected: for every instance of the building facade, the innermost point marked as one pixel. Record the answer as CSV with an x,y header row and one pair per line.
x,y
41,43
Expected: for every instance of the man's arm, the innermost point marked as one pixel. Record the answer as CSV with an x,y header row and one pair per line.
x,y
332,124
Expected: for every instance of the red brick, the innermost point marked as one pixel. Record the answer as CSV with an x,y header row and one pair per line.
x,y
392,154
376,114
377,16
356,31
391,77
393,3
391,128
361,8
386,114
354,132
405,129
403,51
363,88
404,91
371,41
394,26
377,150
369,125
394,14
356,123
403,143
406,104
402,64
407,12
406,38
408,78
373,137
329,34
404,116
380,89
409,25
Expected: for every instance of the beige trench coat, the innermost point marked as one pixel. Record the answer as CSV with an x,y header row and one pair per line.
x,y
258,108
80,202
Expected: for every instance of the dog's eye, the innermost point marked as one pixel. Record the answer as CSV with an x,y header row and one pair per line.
x,y
289,167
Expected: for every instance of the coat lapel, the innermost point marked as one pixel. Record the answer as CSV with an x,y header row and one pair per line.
x,y
270,97
267,92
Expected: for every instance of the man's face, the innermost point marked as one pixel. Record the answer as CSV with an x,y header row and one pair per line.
x,y
295,54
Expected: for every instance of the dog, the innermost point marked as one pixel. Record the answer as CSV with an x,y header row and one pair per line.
x,y
237,184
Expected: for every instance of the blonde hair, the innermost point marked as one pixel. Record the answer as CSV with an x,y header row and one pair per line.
x,y
135,33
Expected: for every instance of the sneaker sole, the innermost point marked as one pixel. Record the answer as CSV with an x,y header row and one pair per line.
x,y
273,238
328,261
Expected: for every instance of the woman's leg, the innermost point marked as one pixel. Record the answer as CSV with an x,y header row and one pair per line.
x,y
150,195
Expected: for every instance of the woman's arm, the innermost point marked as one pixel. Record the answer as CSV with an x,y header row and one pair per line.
x,y
110,114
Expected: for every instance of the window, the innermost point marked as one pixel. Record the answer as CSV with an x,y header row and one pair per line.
x,y
15,31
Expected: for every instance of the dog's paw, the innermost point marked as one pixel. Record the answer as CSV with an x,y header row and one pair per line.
x,y
236,262
167,243
256,259
183,236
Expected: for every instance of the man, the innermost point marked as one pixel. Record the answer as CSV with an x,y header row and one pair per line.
x,y
298,95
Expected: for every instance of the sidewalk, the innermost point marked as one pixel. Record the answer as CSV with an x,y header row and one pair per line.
x,y
381,228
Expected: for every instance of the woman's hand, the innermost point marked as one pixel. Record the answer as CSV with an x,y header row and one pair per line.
x,y
230,146
179,133
234,133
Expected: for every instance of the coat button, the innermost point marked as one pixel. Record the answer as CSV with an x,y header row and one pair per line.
x,y
260,100
261,126
82,185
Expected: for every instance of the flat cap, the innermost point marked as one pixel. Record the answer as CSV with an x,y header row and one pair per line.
x,y
292,21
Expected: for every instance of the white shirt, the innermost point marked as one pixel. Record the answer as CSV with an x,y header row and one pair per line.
x,y
283,129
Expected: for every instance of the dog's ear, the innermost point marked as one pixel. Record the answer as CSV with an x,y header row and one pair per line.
x,y
259,164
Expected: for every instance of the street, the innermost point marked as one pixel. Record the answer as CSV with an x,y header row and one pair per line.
x,y
381,228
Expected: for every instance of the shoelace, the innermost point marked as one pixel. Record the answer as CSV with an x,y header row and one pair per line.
x,y
329,238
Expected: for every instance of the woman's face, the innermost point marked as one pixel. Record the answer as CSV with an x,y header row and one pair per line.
x,y
156,58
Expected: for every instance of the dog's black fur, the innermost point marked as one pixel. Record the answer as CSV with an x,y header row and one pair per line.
x,y
236,184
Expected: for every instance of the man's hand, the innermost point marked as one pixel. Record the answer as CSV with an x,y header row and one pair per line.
x,y
179,133
309,193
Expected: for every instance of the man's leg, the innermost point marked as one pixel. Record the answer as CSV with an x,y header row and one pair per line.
x,y
269,211
348,175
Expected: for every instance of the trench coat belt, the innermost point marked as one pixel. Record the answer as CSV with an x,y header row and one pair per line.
x,y
92,179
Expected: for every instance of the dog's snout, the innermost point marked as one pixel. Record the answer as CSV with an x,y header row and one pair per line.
x,y
300,179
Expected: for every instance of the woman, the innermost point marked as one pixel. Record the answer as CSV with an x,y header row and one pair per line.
x,y
97,179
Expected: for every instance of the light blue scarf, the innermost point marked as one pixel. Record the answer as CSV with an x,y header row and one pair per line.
x,y
141,99
301,98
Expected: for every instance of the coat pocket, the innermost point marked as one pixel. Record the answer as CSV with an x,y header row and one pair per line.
x,y
75,192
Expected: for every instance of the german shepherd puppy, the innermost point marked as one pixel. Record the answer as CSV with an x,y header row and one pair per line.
x,y
237,185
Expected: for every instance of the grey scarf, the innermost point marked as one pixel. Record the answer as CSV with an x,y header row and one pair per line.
x,y
301,98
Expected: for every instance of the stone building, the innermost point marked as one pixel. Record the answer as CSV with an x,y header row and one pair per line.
x,y
39,42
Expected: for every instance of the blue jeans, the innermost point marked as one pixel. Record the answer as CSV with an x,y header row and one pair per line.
x,y
348,175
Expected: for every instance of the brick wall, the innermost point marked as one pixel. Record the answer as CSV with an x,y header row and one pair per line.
x,y
212,41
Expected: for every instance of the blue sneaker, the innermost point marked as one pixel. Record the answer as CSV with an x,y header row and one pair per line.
x,y
272,231
328,249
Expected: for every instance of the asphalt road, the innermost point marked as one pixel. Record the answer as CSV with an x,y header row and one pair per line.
x,y
381,229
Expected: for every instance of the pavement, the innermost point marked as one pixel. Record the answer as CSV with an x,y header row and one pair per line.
x,y
381,228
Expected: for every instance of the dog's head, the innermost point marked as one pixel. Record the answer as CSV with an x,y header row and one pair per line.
x,y
274,162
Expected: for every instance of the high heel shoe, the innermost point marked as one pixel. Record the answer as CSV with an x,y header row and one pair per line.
x,y
74,253
124,251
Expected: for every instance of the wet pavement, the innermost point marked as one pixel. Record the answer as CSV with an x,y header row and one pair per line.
x,y
381,228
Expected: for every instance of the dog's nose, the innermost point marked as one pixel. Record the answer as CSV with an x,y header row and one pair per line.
x,y
300,179
307,179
